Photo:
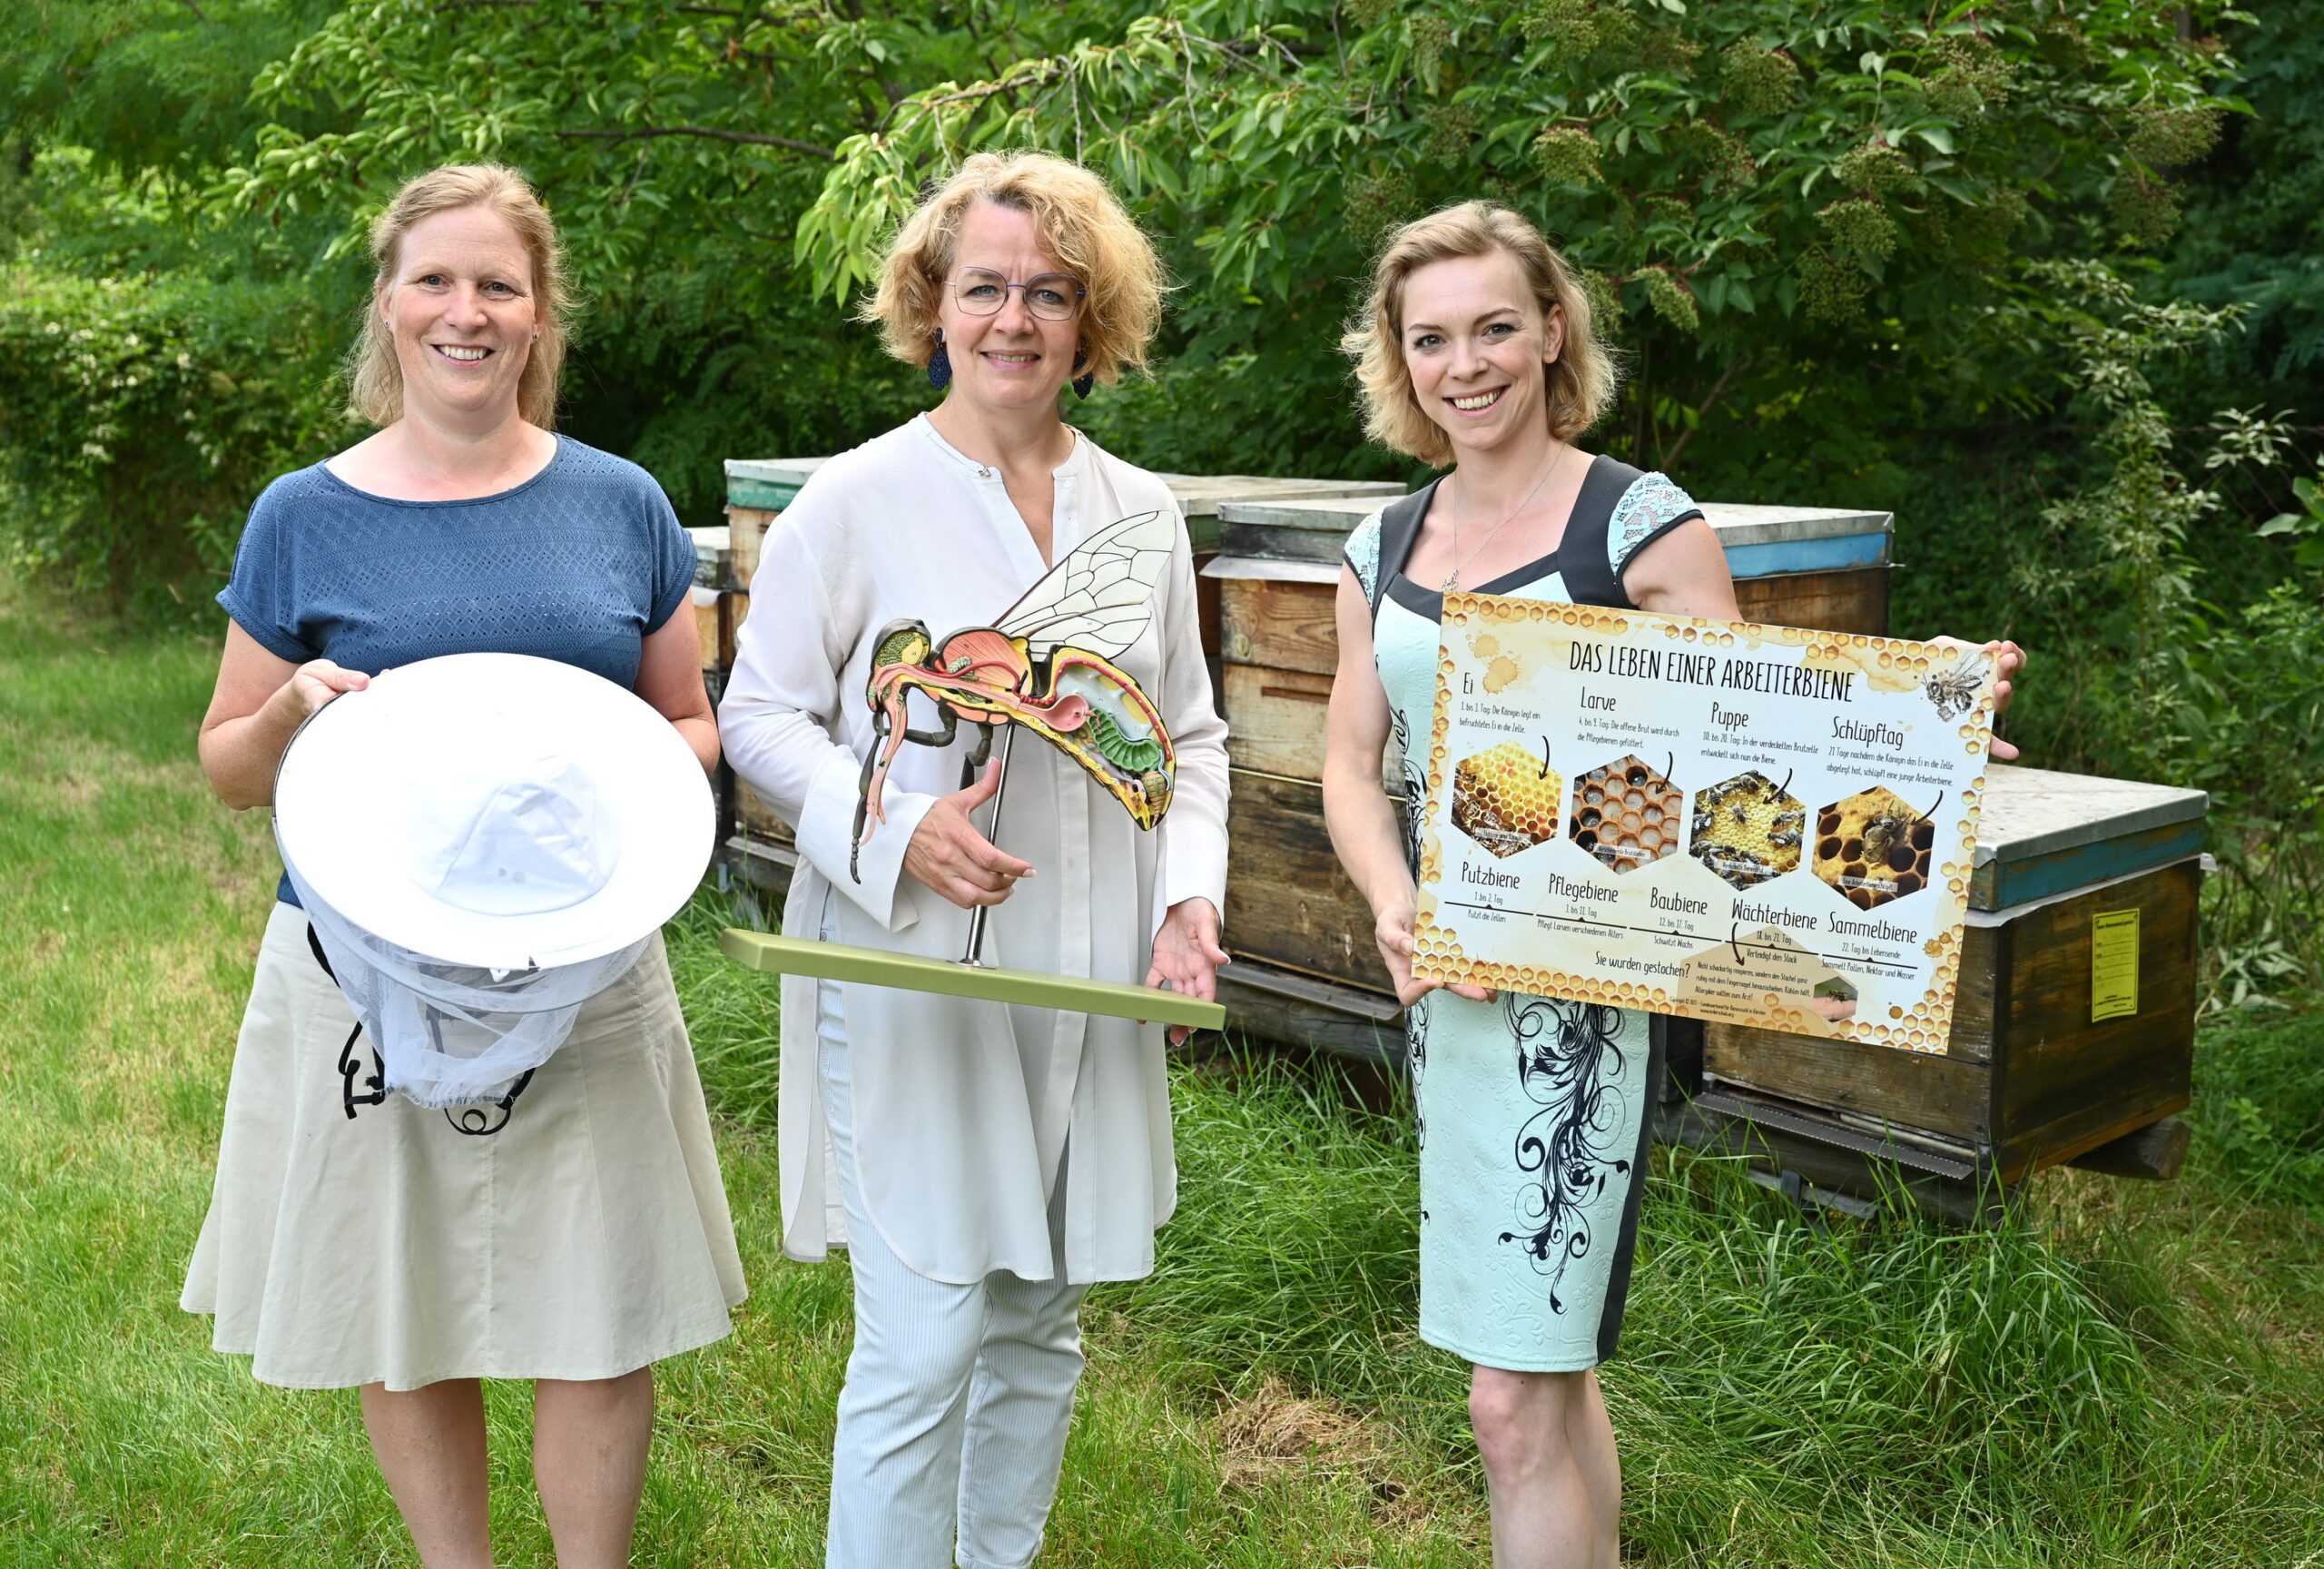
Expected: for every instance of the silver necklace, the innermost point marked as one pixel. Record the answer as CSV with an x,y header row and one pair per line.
x,y
1453,578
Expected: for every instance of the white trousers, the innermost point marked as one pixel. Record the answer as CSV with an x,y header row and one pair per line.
x,y
953,1418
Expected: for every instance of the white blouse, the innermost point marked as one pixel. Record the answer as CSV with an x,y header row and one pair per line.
x,y
964,1111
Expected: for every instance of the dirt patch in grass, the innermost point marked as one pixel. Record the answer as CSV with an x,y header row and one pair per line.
x,y
1275,1435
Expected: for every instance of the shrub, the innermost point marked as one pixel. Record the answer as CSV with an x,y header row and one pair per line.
x,y
140,417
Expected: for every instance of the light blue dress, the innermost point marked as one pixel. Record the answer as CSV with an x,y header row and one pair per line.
x,y
1535,1113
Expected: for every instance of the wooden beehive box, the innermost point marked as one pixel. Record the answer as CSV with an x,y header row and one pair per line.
x,y
757,490
713,561
1289,910
2074,1023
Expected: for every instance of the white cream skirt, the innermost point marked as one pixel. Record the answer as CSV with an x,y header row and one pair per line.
x,y
587,1237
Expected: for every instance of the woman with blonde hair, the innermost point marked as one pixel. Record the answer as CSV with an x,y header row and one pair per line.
x,y
984,1164
1476,351
574,1232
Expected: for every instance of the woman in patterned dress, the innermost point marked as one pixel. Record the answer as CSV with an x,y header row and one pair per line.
x,y
1476,351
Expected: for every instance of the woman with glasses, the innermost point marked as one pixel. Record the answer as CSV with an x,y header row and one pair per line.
x,y
984,1164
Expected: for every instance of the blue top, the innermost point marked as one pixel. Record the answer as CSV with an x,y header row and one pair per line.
x,y
577,564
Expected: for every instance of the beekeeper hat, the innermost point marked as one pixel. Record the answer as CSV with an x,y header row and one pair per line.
x,y
494,810
483,843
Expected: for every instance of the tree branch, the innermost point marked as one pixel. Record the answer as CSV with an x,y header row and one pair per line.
x,y
1734,369
750,138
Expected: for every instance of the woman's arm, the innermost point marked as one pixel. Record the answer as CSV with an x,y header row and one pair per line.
x,y
669,676
780,714
1356,809
260,701
1684,573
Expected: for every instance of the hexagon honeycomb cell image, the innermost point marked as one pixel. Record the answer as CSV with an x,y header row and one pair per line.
x,y
1747,829
1874,846
1626,813
1506,799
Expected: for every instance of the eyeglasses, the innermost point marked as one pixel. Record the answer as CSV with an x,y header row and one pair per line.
x,y
1052,296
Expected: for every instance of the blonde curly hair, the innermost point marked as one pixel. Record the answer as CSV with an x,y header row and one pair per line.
x,y
1582,379
1082,223
375,377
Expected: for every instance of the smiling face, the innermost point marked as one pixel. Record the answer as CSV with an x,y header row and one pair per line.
x,y
1013,361
1476,344
462,312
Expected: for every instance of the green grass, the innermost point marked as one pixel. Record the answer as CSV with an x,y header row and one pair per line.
x,y
2134,1374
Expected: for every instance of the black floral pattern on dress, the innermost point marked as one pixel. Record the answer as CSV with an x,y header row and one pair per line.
x,y
1569,1064
1416,1015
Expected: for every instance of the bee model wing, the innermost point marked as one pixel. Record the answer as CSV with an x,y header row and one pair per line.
x,y
1100,598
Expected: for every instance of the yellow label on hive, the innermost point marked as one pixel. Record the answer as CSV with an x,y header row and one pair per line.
x,y
2113,964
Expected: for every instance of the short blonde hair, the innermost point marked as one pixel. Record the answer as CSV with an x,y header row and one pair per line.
x,y
375,380
1081,224
1580,380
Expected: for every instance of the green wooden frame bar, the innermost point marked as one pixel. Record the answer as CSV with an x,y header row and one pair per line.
x,y
915,973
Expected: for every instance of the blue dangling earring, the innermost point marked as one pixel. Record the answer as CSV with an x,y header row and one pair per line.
x,y
1083,382
939,365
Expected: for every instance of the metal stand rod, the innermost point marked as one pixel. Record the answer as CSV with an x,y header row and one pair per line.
x,y
974,957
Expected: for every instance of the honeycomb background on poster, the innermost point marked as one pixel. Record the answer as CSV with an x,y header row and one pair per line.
x,y
1506,798
1747,829
1874,846
1626,813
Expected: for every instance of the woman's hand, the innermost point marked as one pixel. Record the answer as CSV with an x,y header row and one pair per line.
x,y
1391,928
1187,956
949,855
261,701
2008,660
311,687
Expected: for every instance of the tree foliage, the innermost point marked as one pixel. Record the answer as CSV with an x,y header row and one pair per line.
x,y
1751,185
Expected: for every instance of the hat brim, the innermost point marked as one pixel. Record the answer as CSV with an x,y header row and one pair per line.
x,y
340,805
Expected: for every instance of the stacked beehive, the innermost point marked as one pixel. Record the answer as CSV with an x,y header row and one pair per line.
x,y
2072,1033
757,841
2074,1026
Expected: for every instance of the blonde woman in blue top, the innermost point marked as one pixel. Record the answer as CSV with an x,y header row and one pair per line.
x,y
576,1232
1476,351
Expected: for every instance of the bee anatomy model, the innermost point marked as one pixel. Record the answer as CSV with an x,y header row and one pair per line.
x,y
1046,666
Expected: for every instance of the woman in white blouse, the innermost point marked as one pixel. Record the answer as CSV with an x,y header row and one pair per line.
x,y
983,1163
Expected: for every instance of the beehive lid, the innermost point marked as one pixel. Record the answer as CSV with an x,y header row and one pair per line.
x,y
1760,541
2043,833
1200,497
1296,528
768,483
1267,569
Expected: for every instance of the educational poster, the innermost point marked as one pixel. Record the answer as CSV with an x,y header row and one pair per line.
x,y
1756,824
